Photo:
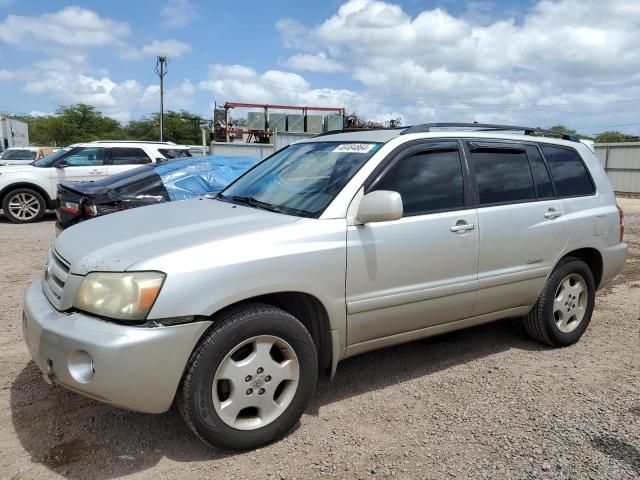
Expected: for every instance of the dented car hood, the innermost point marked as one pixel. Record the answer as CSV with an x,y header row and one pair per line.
x,y
116,242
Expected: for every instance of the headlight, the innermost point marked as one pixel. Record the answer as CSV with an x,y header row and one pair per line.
x,y
121,296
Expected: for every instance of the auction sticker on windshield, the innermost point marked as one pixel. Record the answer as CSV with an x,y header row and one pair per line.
x,y
355,148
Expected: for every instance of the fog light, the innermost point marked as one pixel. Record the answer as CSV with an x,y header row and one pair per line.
x,y
80,366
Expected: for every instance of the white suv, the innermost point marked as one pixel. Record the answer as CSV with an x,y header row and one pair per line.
x,y
27,191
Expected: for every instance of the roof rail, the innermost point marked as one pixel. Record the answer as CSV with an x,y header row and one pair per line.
x,y
352,130
426,127
133,141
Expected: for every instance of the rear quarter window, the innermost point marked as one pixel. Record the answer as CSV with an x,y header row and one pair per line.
x,y
171,153
568,171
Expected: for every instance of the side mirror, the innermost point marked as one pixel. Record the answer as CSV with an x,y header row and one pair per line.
x,y
161,160
62,164
380,206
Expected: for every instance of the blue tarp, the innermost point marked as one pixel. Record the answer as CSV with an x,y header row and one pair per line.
x,y
192,177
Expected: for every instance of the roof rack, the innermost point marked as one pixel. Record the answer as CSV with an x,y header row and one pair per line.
x,y
352,130
426,127
133,141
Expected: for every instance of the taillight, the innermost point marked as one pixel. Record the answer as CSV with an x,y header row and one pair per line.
x,y
90,209
69,207
621,213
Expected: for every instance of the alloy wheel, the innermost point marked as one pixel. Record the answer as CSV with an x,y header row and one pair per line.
x,y
255,383
24,206
570,302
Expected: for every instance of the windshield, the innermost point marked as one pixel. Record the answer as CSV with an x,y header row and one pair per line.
x,y
19,155
50,160
301,179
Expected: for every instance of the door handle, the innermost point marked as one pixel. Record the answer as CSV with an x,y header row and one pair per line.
x,y
462,227
552,213
95,171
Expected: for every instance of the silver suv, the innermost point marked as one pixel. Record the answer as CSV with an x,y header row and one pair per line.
x,y
344,243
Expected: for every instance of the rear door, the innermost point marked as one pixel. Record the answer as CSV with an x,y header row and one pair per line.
x,y
522,227
126,158
421,270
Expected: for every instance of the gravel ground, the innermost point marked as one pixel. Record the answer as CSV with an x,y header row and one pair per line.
x,y
481,403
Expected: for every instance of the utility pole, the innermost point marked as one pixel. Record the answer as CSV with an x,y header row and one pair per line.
x,y
161,71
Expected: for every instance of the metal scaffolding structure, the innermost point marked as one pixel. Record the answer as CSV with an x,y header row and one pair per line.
x,y
264,135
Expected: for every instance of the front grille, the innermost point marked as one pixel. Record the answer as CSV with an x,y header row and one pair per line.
x,y
56,272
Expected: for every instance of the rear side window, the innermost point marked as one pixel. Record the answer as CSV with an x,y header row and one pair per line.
x,y
502,175
569,173
129,156
171,153
427,181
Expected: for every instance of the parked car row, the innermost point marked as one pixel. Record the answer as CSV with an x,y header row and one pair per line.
x,y
147,185
229,306
27,191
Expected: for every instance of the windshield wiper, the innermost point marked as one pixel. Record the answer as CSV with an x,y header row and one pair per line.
x,y
252,202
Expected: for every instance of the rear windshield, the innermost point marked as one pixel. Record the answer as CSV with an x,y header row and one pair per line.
x,y
171,153
144,173
19,155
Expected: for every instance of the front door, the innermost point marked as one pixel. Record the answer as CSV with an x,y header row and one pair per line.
x,y
85,164
421,270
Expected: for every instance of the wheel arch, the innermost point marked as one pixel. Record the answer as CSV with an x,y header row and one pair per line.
x,y
14,186
592,257
308,309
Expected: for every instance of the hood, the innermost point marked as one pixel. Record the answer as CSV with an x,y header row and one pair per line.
x,y
117,241
15,162
16,168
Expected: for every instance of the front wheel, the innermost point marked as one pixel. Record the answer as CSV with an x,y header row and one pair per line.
x,y
563,311
23,205
250,379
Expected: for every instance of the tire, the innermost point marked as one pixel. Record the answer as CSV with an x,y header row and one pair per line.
x,y
548,321
23,205
224,351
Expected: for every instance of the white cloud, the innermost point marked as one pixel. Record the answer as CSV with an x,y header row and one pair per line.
x,y
314,63
178,13
72,26
293,33
170,48
562,60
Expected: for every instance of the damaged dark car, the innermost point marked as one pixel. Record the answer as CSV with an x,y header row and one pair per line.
x,y
148,185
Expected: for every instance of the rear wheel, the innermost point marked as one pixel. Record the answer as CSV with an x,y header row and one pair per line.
x,y
250,379
23,205
563,311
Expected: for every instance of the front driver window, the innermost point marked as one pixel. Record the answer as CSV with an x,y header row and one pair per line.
x,y
86,157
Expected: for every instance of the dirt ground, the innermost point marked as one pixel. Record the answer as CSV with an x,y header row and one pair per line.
x,y
481,403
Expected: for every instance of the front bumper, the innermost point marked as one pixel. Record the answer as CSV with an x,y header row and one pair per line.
x,y
136,368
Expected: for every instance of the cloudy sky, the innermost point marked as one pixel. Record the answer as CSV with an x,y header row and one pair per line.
x,y
531,62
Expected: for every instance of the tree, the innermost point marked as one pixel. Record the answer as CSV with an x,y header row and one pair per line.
x,y
179,127
72,124
615,136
